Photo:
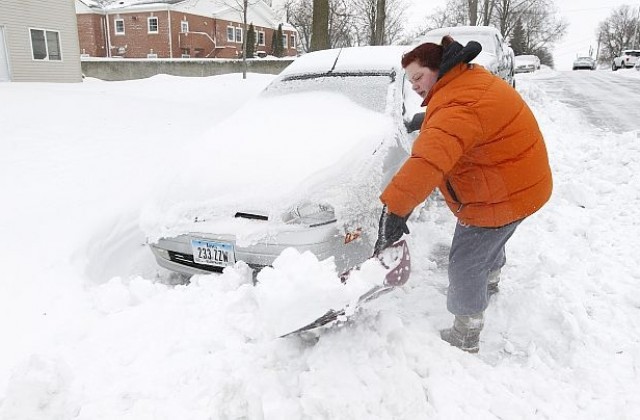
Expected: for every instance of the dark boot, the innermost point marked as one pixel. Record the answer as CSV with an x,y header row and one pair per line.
x,y
494,280
465,333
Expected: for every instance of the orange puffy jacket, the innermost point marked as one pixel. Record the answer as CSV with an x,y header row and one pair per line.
x,y
481,145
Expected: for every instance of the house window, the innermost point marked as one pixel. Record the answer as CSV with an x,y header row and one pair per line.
x,y
284,42
45,45
238,34
184,26
261,38
292,42
231,34
119,26
152,25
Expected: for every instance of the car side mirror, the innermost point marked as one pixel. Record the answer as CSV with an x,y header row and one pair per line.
x,y
415,123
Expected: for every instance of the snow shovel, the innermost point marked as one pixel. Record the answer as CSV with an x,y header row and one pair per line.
x,y
396,259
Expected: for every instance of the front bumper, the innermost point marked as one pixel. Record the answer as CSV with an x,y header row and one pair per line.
x,y
175,254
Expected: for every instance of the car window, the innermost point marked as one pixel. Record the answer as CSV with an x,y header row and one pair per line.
x,y
368,90
633,53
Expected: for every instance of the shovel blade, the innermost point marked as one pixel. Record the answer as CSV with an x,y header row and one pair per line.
x,y
399,265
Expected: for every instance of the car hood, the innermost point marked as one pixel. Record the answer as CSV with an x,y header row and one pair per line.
x,y
272,154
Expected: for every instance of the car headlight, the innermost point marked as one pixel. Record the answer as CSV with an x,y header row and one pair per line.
x,y
310,214
161,252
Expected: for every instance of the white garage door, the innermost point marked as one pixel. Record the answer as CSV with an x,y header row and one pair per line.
x,y
4,63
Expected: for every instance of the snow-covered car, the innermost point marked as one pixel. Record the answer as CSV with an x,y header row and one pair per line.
x,y
495,55
627,58
304,166
584,63
527,63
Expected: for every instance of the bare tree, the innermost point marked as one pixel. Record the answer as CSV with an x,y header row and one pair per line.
x,y
539,22
300,15
617,32
242,7
473,12
341,31
320,26
379,22
454,13
378,32
487,11
350,22
507,12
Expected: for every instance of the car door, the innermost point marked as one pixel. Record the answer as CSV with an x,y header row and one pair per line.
x,y
502,58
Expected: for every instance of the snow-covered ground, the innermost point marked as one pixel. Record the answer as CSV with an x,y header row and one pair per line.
x,y
92,329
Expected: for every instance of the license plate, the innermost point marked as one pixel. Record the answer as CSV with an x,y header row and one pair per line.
x,y
219,254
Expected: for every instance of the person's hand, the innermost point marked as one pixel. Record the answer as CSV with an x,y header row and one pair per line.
x,y
390,230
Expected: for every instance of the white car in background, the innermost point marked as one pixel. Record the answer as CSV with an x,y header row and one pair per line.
x,y
495,55
584,63
300,166
527,63
627,58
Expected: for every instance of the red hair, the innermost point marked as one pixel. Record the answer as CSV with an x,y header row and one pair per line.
x,y
427,54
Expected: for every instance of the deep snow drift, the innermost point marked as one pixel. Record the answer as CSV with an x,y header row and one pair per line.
x,y
92,329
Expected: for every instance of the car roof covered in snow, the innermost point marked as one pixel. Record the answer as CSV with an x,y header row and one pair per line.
x,y
352,59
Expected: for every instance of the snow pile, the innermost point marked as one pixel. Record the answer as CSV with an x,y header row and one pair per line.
x,y
92,329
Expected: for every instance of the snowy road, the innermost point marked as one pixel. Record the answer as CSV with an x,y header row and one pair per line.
x,y
609,100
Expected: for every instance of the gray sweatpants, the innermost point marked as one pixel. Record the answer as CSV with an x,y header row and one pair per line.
x,y
475,252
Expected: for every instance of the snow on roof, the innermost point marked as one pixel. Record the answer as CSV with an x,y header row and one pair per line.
x,y
259,13
202,7
87,6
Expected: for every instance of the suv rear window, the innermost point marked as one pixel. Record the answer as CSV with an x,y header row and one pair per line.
x,y
632,53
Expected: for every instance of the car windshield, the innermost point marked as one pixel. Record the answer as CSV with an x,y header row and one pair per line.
x,y
366,89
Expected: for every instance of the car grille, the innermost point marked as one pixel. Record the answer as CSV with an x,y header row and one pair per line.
x,y
187,259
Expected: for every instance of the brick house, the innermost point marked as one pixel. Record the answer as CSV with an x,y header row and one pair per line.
x,y
176,29
39,41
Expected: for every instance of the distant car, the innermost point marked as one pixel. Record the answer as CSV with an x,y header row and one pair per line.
x,y
287,184
584,63
495,55
627,58
527,63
